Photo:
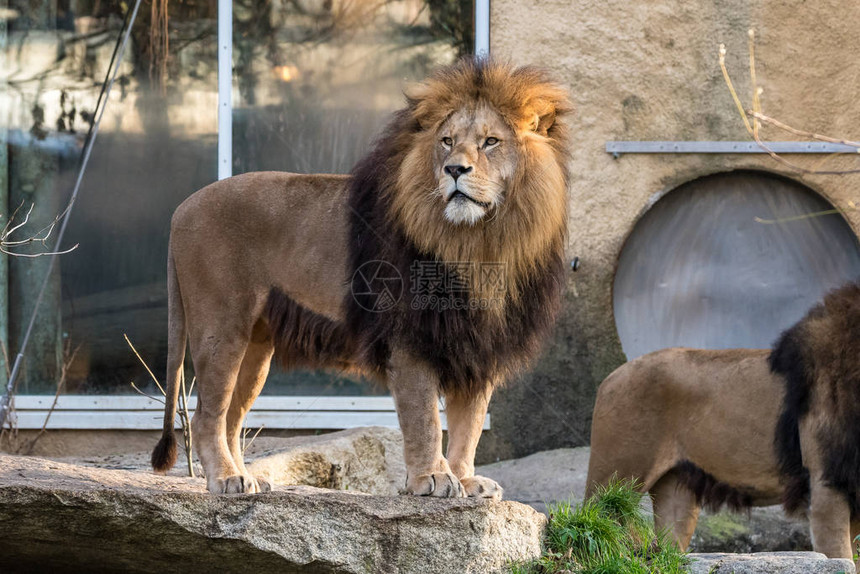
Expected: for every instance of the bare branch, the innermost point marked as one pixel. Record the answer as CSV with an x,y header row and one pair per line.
x,y
41,236
785,127
758,116
145,366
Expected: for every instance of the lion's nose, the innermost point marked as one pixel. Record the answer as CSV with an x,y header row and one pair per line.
x,y
456,171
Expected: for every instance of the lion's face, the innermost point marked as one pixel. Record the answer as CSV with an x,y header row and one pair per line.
x,y
475,158
477,168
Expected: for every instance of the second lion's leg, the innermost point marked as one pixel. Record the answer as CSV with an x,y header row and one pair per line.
x,y
675,509
416,397
466,415
252,377
829,520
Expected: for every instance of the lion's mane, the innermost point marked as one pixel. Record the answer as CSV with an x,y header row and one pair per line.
x,y
392,221
819,357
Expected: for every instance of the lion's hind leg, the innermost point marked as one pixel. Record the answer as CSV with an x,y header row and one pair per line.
x,y
249,383
676,511
217,353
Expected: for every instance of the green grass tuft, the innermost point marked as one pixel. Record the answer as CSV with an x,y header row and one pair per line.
x,y
606,534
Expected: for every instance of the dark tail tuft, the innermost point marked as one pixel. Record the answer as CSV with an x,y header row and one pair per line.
x,y
164,454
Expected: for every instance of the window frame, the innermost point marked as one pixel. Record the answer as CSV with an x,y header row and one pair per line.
x,y
129,412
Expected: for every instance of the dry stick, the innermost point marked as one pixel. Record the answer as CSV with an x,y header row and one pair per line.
x,y
60,384
183,418
250,442
182,411
753,132
778,124
145,366
756,91
13,431
6,242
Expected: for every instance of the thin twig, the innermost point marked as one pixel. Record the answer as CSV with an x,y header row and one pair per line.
x,y
145,366
41,236
61,383
181,411
812,135
757,115
186,423
250,442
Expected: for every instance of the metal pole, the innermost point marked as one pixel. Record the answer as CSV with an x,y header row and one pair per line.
x,y
482,28
225,88
10,385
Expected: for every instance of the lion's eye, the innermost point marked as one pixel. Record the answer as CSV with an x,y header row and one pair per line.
x,y
490,142
447,142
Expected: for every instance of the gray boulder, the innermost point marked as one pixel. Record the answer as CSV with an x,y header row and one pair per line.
x,y
366,459
769,563
69,518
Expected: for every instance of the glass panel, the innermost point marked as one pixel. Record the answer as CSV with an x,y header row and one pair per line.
x,y
157,144
314,82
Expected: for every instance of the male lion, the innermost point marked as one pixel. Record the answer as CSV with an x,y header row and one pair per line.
x,y
305,268
743,427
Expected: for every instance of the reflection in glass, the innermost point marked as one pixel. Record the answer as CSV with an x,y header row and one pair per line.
x,y
155,147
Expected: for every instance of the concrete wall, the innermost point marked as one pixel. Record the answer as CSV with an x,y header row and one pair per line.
x,y
649,71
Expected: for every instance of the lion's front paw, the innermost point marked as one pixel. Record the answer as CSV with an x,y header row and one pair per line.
x,y
236,484
441,484
482,487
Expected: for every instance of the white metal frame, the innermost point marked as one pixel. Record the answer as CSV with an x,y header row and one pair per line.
x,y
105,412
99,412
482,28
225,88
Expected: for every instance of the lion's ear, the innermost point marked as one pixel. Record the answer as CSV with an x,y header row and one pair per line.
x,y
420,97
541,123
543,109
542,114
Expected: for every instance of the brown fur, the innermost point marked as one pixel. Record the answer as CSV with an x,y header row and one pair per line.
x,y
737,451
679,421
260,266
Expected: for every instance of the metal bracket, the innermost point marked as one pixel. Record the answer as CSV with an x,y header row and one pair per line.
x,y
616,148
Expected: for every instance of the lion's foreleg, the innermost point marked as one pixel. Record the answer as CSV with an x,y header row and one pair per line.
x,y
829,521
465,414
415,391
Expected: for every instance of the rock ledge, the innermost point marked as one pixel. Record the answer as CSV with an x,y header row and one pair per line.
x,y
68,518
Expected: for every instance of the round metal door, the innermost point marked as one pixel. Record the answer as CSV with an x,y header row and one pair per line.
x,y
729,260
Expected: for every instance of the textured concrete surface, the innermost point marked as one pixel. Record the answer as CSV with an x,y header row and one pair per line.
x,y
70,518
646,71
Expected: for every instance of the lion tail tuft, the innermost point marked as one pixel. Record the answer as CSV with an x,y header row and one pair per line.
x,y
164,454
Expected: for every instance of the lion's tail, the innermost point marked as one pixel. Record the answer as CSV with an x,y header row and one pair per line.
x,y
164,454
